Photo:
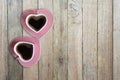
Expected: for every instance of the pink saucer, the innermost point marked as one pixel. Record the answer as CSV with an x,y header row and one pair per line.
x,y
37,22
26,50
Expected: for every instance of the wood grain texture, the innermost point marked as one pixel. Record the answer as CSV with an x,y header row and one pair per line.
x,y
14,30
105,48
83,44
3,40
75,40
60,40
116,37
32,72
46,61
89,39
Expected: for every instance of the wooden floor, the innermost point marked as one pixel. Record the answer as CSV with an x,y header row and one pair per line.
x,y
84,43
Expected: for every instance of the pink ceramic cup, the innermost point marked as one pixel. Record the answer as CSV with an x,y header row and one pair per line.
x,y
37,13
20,44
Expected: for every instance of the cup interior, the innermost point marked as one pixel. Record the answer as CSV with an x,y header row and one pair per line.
x,y
36,22
24,50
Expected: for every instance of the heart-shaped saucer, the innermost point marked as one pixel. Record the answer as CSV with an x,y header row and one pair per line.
x,y
26,50
37,22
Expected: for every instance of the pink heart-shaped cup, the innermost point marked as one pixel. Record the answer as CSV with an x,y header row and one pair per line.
x,y
26,50
37,22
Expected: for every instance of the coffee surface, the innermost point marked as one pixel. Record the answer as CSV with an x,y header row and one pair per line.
x,y
37,22
25,50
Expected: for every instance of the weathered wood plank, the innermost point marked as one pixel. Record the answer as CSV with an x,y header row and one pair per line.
x,y
46,61
3,40
105,48
32,72
74,39
60,40
14,30
90,39
116,40
69,50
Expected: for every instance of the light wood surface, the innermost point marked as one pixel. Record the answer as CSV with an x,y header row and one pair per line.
x,y
46,61
89,39
75,40
32,72
83,43
14,30
116,39
105,40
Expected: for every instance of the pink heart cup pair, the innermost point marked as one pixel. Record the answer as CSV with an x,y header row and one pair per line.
x,y
37,23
